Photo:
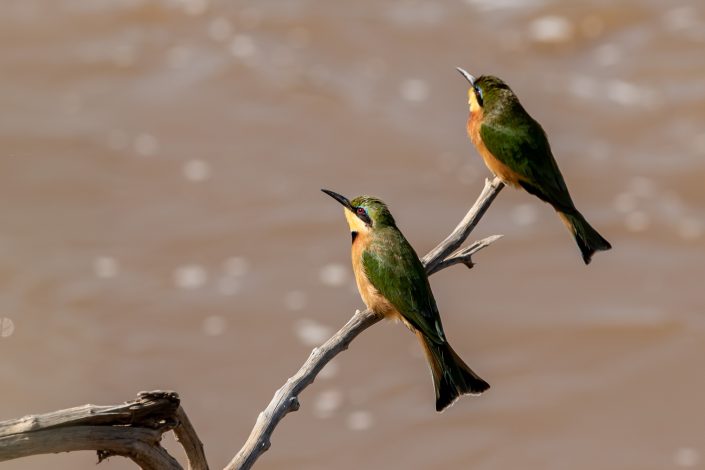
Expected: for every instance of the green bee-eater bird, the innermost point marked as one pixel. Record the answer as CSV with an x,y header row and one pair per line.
x,y
393,283
515,148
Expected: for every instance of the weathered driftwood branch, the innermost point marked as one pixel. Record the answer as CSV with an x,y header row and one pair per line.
x,y
187,437
133,429
285,400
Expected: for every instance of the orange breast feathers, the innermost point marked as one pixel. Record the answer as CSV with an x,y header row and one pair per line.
x,y
373,299
370,295
506,174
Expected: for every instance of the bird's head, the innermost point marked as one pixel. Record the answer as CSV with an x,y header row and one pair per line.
x,y
486,92
364,213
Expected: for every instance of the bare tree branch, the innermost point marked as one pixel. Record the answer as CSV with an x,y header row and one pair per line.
x,y
464,255
467,225
134,429
286,398
187,437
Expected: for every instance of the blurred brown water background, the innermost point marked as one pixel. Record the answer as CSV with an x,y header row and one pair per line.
x,y
162,225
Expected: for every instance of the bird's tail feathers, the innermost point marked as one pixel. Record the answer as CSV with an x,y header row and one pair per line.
x,y
451,376
587,238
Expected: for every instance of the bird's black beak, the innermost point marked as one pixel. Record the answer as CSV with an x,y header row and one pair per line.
x,y
341,199
467,76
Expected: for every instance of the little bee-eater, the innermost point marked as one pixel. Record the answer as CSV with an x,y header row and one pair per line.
x,y
393,283
515,148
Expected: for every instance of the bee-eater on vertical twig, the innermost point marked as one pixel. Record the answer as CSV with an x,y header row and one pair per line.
x,y
515,148
393,283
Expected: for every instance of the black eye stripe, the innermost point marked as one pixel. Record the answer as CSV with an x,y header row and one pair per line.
x,y
362,215
478,95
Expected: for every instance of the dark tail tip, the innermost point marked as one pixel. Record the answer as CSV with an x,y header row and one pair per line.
x,y
589,247
449,390
587,238
453,378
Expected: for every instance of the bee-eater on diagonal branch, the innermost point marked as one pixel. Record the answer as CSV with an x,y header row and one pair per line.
x,y
515,148
393,283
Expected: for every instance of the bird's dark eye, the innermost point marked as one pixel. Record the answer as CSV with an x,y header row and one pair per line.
x,y
478,95
361,211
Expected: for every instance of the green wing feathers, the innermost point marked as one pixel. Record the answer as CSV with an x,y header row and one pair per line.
x,y
523,147
521,144
394,269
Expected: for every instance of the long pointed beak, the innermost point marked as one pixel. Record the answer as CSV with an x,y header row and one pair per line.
x,y
341,199
467,76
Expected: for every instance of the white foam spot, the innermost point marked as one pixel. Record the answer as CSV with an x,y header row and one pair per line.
x,y
236,266
327,402
637,221
625,202
146,145
312,333
524,214
334,275
190,276
691,228
295,300
105,267
686,457
359,420
489,5
220,29
414,90
214,325
7,327
196,170
243,46
551,29
624,93
680,18
194,7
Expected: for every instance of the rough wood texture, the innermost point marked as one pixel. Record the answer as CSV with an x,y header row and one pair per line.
x,y
285,400
187,437
134,429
